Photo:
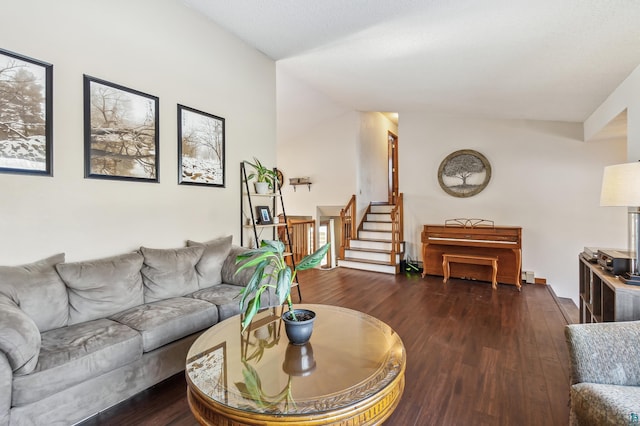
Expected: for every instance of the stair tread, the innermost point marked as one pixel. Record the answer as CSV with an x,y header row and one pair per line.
x,y
375,230
374,240
369,250
373,262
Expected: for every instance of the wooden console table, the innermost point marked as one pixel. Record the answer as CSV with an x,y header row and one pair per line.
x,y
502,242
604,298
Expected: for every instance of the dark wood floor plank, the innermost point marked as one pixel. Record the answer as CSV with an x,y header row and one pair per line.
x,y
474,355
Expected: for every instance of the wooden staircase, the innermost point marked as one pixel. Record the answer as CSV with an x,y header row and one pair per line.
x,y
378,244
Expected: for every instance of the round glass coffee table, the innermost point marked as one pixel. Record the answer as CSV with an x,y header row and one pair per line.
x,y
351,371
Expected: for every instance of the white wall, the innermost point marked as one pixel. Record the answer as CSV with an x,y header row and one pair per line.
x,y
544,179
161,48
316,138
373,159
625,97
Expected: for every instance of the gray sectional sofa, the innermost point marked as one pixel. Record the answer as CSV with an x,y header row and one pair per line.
x,y
605,373
77,338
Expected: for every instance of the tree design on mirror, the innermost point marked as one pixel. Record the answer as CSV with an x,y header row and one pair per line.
x,y
464,173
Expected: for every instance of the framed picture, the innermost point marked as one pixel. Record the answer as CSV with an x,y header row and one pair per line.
x,y
464,173
200,148
264,215
26,115
121,138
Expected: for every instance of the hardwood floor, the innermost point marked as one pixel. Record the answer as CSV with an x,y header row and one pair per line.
x,y
474,356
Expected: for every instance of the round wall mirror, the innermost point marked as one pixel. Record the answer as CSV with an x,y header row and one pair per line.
x,y
464,173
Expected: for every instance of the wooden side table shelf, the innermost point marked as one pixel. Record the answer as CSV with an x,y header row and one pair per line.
x,y
605,298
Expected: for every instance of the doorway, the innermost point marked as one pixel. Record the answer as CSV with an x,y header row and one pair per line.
x,y
393,167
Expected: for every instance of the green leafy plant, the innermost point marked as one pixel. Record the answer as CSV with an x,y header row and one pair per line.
x,y
262,173
272,271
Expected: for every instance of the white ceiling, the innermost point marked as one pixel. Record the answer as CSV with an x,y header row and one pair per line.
x,y
530,59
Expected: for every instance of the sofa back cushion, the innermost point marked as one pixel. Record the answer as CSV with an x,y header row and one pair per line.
x,y
169,272
102,287
37,289
209,267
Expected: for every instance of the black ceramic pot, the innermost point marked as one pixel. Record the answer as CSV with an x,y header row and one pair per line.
x,y
299,332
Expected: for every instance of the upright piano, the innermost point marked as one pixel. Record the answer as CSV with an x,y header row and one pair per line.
x,y
504,242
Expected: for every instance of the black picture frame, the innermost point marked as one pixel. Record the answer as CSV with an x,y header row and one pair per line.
x,y
264,215
26,115
201,148
121,132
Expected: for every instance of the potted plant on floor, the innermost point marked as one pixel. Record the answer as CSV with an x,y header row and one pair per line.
x,y
264,176
272,271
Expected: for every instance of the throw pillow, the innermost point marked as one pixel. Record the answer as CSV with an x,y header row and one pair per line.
x,y
230,267
20,338
102,287
169,272
209,267
37,289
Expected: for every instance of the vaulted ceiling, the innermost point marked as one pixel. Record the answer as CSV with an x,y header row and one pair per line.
x,y
523,59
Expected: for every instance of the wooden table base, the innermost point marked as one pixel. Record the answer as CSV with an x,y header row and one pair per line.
x,y
370,411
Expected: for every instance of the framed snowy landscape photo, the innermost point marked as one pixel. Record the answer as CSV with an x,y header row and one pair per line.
x,y
200,148
26,109
120,132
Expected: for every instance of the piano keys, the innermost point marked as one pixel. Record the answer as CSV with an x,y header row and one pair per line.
x,y
505,242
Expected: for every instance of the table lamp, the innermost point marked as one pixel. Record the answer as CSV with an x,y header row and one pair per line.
x,y
621,187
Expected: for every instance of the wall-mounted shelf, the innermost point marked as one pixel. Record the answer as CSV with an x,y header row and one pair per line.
x,y
299,181
296,184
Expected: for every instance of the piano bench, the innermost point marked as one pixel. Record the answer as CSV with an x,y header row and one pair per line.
x,y
473,260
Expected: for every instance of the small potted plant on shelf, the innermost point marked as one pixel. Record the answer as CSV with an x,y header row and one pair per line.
x,y
265,177
272,271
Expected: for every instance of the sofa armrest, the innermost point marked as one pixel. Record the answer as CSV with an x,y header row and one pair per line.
x,y
6,381
606,353
20,338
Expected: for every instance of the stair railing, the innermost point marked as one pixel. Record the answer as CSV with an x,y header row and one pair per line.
x,y
302,238
397,228
348,220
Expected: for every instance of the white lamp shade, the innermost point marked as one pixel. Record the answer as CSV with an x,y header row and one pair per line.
x,y
621,185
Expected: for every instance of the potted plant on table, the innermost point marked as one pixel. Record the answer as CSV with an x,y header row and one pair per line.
x,y
265,177
272,271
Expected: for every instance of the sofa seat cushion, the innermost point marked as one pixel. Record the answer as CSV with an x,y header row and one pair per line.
x,y
167,320
73,354
225,296
600,404
102,287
